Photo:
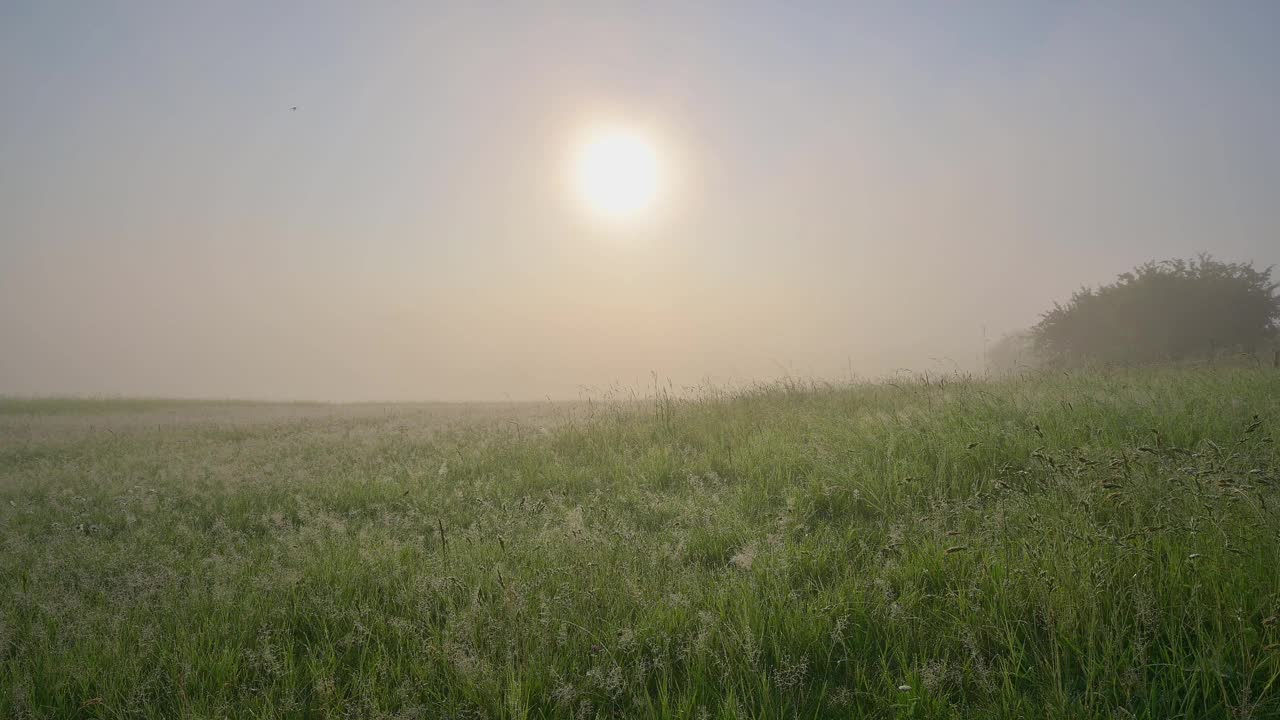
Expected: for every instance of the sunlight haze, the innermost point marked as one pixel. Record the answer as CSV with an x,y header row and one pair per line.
x,y
617,173
400,201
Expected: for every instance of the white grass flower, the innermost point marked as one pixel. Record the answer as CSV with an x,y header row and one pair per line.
x,y
744,557
842,697
790,674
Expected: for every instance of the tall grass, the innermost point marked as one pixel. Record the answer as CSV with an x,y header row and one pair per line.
x,y
1084,546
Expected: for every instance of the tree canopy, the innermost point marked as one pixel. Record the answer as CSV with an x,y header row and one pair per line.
x,y
1167,310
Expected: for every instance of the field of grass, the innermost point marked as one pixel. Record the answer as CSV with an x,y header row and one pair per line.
x,y
1093,545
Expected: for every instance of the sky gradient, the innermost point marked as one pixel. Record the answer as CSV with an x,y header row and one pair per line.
x,y
852,189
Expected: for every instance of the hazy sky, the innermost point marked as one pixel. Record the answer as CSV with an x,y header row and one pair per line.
x,y
850,186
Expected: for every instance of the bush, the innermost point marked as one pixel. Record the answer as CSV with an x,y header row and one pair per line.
x,y
1169,310
1013,352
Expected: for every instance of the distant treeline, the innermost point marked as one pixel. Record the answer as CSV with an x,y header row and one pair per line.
x,y
1162,311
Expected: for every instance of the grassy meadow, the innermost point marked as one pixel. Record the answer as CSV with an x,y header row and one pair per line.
x,y
1084,545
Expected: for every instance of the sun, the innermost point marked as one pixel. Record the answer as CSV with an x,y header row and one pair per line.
x,y
616,173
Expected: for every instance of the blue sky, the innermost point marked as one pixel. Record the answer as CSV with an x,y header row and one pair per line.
x,y
850,185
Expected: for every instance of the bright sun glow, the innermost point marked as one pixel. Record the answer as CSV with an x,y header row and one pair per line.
x,y
617,174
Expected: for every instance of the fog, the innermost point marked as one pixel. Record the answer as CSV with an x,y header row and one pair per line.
x,y
846,191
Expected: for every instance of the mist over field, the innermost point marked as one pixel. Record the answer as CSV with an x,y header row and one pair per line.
x,y
843,191
662,360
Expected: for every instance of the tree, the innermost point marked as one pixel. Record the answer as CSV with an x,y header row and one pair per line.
x,y
1168,310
